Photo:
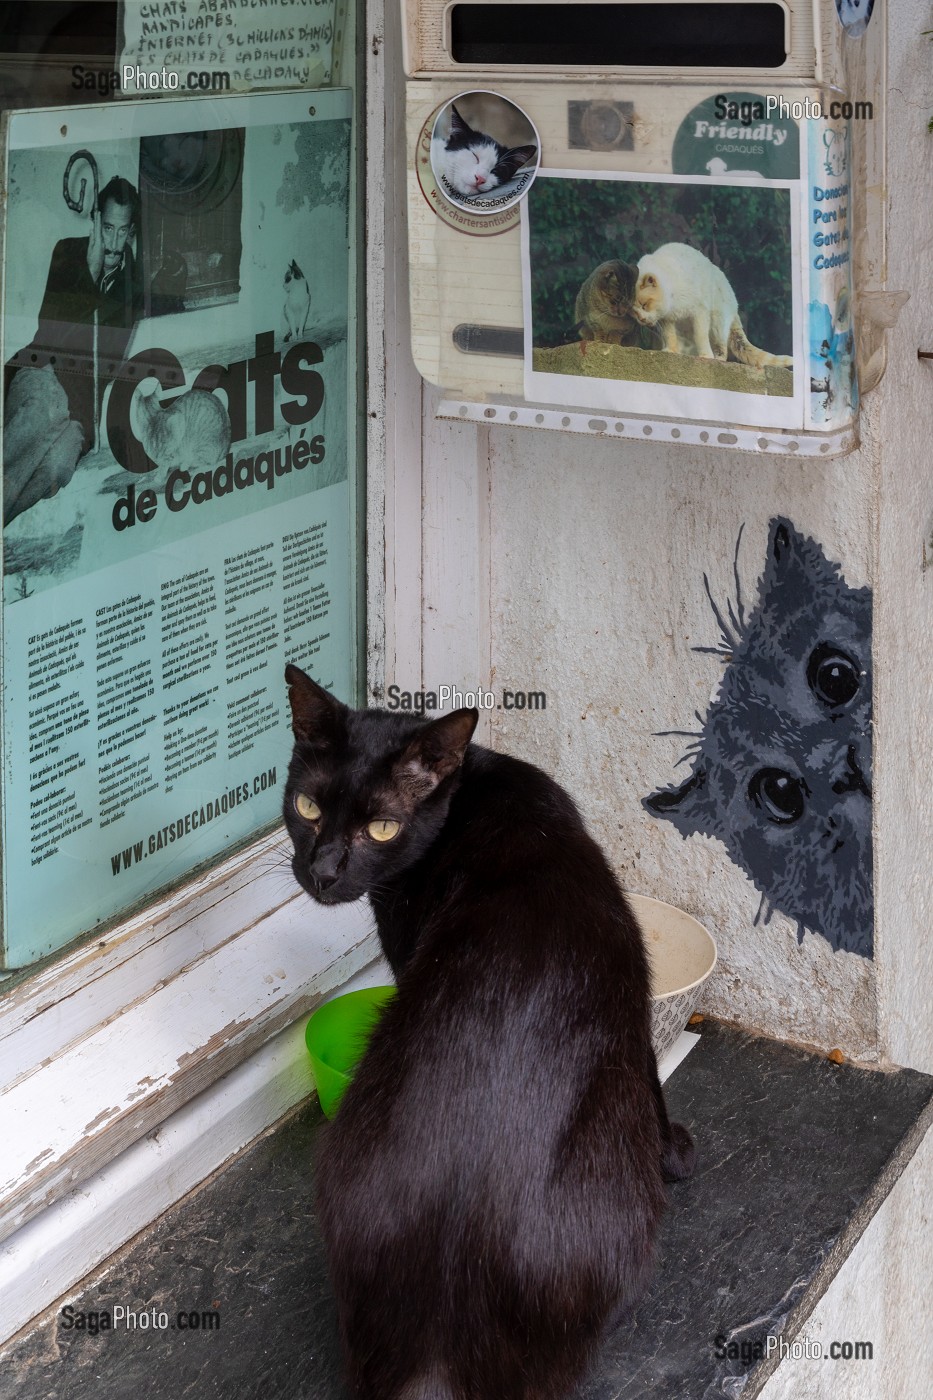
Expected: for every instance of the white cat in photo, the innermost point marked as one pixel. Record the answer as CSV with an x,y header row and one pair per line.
x,y
692,303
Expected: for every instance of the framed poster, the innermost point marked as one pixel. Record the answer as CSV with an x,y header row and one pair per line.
x,y
178,486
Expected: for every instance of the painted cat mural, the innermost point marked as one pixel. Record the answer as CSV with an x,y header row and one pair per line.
x,y
781,768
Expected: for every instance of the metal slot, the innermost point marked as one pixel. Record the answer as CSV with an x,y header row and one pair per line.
x,y
708,36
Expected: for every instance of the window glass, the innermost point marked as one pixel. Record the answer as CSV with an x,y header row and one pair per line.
x,y
179,457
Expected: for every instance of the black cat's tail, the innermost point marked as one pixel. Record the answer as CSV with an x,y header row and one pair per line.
x,y
678,1152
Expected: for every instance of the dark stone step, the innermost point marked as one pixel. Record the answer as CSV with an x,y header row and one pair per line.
x,y
795,1156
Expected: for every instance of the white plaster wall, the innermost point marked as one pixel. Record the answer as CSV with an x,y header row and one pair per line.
x,y
880,1295
598,550
904,592
598,555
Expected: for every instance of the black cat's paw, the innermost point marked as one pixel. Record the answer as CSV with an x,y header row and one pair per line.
x,y
680,1155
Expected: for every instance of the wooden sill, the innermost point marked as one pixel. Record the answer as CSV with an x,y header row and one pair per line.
x,y
102,1048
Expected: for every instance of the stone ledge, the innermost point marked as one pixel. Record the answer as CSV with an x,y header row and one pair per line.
x,y
796,1155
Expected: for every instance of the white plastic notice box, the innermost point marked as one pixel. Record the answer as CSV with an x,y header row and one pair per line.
x,y
649,219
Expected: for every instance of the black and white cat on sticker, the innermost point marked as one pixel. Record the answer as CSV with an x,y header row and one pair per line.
x,y
781,768
484,152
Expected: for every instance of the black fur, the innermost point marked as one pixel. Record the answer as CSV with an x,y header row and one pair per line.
x,y
490,1190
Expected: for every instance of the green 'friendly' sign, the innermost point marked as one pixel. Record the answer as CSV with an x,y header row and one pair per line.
x,y
738,133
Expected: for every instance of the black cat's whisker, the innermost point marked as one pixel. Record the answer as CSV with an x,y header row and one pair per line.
x,y
279,859
678,734
715,651
727,636
691,753
279,855
280,872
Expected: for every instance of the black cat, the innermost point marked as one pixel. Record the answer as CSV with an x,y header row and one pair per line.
x,y
491,1187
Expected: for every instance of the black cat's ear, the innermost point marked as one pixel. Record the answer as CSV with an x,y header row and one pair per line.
x,y
436,751
458,127
316,716
513,160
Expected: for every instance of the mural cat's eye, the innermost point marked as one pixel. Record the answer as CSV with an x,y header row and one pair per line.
x,y
781,767
833,676
781,796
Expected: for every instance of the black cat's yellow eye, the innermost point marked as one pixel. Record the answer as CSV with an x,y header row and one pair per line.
x,y
384,829
306,808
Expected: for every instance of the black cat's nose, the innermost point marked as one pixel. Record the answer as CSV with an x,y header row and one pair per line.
x,y
329,865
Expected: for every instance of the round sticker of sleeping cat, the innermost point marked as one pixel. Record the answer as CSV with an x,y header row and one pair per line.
x,y
484,153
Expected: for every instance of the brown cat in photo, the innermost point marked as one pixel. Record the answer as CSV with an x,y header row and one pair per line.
x,y
603,309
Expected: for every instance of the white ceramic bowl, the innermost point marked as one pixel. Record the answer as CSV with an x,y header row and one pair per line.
x,y
682,954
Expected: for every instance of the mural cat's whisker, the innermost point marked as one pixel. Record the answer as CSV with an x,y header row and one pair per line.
x,y
738,582
730,641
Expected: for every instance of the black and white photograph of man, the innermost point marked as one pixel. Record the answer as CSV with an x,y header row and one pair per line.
x,y
54,385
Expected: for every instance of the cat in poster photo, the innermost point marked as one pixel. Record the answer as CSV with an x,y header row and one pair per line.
x,y
692,303
604,308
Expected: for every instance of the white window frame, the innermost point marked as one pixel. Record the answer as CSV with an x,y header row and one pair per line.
x,y
136,1064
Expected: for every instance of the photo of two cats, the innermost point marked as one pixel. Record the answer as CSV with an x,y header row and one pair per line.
x,y
677,292
676,283
491,1188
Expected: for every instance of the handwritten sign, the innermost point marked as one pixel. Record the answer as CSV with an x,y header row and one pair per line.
x,y
203,46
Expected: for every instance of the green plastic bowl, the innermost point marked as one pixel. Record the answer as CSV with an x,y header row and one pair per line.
x,y
337,1035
